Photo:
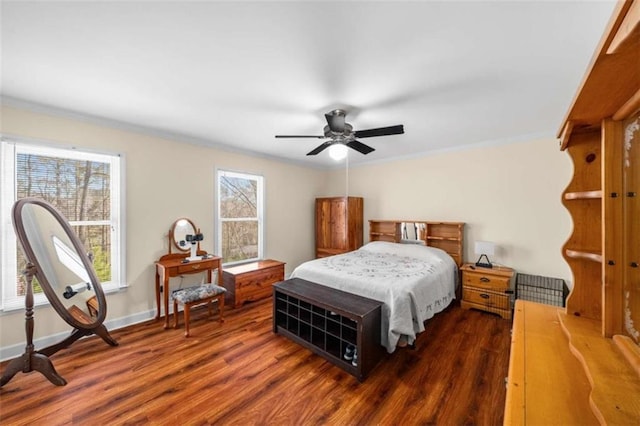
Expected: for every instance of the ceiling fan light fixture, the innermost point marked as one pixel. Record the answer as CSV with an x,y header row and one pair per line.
x,y
338,151
341,136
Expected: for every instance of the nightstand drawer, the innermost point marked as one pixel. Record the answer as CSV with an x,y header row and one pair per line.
x,y
486,298
483,280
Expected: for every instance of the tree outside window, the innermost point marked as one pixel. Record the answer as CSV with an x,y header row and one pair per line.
x,y
239,216
81,186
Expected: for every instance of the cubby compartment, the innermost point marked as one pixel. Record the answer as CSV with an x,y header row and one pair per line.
x,y
305,331
318,321
333,327
349,334
318,339
328,321
305,315
292,310
334,346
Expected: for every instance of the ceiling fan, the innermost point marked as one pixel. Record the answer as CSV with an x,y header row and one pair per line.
x,y
342,133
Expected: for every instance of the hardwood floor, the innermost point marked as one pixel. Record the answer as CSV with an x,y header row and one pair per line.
x,y
241,373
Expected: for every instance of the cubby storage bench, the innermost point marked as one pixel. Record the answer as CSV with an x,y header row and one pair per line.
x,y
327,321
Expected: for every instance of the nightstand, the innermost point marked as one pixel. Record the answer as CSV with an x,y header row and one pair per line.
x,y
488,289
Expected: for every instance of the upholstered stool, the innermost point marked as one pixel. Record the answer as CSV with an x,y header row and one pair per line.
x,y
197,295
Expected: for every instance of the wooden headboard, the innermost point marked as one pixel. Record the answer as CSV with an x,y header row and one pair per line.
x,y
447,236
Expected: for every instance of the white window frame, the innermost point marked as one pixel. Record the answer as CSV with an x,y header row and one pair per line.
x,y
9,148
260,211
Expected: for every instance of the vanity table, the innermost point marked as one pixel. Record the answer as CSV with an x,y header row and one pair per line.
x,y
181,236
172,265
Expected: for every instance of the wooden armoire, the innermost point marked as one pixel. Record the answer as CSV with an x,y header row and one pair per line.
x,y
581,365
338,225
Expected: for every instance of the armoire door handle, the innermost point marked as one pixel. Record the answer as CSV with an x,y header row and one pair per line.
x,y
634,264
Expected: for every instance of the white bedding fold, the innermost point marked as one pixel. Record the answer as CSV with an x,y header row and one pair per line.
x,y
414,282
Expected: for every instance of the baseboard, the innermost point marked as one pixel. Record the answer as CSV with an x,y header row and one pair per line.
x,y
9,352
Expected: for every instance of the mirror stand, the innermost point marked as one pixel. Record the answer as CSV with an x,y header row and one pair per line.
x,y
57,258
31,360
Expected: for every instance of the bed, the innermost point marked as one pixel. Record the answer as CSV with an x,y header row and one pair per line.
x,y
414,282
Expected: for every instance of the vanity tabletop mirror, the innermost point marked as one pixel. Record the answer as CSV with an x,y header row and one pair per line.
x,y
57,258
178,235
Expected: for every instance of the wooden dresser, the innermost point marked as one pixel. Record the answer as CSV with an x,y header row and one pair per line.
x,y
251,281
338,225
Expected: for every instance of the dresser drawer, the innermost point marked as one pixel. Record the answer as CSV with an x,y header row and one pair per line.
x,y
489,299
264,276
190,268
488,281
256,292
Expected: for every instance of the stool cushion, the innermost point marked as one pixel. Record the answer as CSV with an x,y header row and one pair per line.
x,y
198,292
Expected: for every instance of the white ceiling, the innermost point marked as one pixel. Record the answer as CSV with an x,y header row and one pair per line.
x,y
234,74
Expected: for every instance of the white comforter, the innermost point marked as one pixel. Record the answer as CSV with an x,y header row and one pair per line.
x,y
415,282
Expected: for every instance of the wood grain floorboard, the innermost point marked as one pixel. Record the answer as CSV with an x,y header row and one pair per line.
x,y
240,372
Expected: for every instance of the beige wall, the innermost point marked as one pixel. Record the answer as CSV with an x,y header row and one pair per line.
x,y
508,194
159,189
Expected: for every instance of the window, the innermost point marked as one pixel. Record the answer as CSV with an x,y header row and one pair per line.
x,y
240,216
84,187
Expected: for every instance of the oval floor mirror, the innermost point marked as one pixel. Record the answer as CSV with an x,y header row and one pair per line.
x,y
57,258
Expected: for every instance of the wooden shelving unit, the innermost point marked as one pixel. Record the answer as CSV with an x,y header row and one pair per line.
x,y
582,365
583,199
328,321
384,231
447,236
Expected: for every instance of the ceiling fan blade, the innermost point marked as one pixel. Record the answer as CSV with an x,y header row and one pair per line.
x,y
335,120
380,131
360,147
299,136
320,148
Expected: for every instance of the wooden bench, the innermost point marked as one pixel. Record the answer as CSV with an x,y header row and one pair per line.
x,y
251,281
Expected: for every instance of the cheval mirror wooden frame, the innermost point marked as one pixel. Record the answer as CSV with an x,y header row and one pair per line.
x,y
87,320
